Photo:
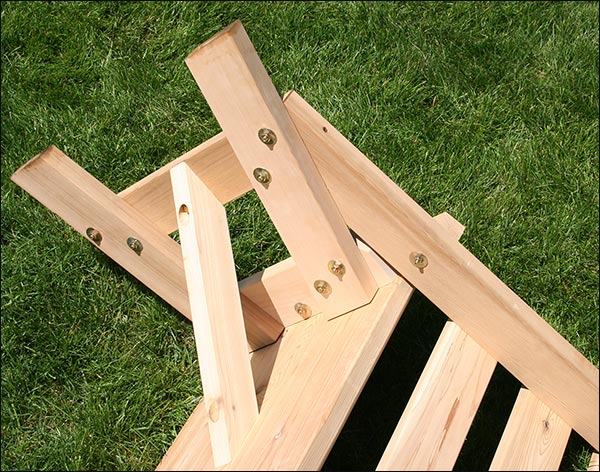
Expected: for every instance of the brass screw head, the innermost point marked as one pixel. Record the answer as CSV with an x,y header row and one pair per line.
x,y
303,310
267,136
135,245
336,267
322,287
418,259
262,176
94,235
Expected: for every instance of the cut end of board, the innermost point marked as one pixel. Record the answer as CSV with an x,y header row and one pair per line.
x,y
52,149
227,31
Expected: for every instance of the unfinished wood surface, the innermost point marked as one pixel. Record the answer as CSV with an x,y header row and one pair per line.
x,y
394,225
213,161
192,445
319,371
216,309
535,437
83,202
593,462
278,288
437,418
244,101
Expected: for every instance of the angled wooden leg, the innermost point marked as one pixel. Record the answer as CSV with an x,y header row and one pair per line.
x,y
251,113
311,378
216,314
454,279
86,204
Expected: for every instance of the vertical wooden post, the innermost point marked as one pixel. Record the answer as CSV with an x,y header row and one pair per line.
x,y
216,314
261,133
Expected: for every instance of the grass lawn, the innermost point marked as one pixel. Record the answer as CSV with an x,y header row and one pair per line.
x,y
486,110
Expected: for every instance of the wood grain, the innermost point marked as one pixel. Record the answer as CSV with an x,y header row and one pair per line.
x,y
213,161
319,370
534,438
394,225
82,201
217,317
244,100
439,413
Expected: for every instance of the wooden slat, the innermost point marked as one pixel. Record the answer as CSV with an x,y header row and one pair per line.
x,y
82,201
593,462
216,314
244,100
438,415
213,161
320,369
534,438
437,418
455,280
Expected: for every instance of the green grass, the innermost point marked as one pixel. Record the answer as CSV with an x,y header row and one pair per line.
x,y
486,110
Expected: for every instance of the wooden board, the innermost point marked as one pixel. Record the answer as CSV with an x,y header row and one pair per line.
x,y
213,161
535,437
319,371
217,316
192,445
437,418
244,101
456,281
82,201
593,462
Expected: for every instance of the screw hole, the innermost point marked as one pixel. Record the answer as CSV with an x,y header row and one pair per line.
x,y
325,129
184,214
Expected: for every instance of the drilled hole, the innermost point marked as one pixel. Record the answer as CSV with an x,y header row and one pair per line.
x,y
325,129
184,214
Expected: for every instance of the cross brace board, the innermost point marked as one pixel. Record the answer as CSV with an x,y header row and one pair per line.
x,y
316,323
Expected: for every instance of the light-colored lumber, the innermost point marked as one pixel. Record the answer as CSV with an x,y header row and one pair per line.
x,y
320,369
279,287
192,445
213,161
593,462
439,413
535,437
83,202
216,314
244,101
394,225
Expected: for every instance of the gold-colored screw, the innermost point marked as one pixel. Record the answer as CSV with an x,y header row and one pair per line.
x,y
337,268
267,136
303,310
262,176
135,245
418,259
322,287
94,235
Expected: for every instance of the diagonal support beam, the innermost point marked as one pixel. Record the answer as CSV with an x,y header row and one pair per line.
x,y
269,148
216,314
83,202
454,279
